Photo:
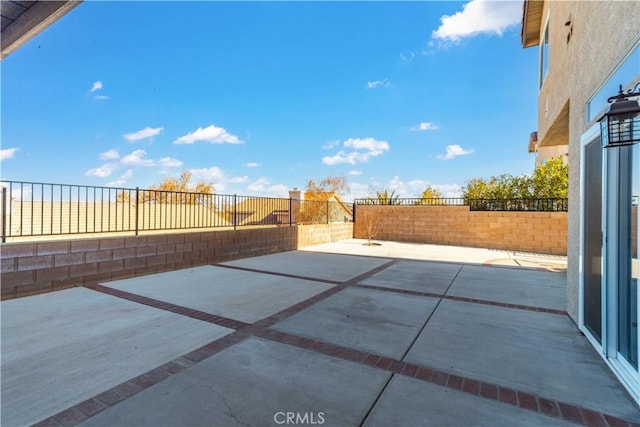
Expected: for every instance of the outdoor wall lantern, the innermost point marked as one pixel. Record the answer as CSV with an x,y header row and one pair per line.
x,y
621,124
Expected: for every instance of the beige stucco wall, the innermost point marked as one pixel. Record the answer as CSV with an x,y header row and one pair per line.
x,y
602,33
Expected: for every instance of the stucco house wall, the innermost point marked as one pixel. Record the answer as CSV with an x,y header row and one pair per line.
x,y
601,34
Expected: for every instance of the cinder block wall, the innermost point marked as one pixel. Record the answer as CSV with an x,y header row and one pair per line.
x,y
29,268
36,267
542,232
324,233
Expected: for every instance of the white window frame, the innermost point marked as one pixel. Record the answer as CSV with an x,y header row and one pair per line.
x,y
544,40
588,137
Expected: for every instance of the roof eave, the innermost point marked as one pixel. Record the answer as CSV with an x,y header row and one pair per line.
x,y
531,20
32,22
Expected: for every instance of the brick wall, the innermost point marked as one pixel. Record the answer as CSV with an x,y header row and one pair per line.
x,y
36,267
324,233
542,232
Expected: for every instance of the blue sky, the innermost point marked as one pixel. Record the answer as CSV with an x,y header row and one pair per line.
x,y
260,97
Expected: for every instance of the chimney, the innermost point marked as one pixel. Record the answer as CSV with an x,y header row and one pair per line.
x,y
295,194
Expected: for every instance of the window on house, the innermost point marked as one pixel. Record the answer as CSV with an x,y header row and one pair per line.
x,y
544,55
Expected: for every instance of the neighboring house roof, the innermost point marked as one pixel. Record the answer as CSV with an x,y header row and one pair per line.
x,y
533,142
327,196
320,195
531,22
23,20
267,211
261,211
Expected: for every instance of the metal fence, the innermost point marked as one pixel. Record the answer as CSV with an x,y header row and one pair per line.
x,y
528,205
379,201
45,209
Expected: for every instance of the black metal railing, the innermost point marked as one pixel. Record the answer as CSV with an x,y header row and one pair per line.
x,y
523,205
442,201
45,209
529,205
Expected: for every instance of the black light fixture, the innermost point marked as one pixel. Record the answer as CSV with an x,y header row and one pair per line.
x,y
621,124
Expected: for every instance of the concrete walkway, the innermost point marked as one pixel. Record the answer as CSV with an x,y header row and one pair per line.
x,y
315,337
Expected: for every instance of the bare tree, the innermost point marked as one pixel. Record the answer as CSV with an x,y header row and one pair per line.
x,y
316,209
371,220
329,184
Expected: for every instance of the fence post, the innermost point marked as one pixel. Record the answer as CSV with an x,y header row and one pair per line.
x,y
137,208
4,214
235,213
353,212
290,211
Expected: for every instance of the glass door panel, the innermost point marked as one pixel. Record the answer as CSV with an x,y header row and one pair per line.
x,y
592,250
628,254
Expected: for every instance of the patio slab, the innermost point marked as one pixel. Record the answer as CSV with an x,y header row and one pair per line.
x,y
410,402
421,276
61,348
379,322
338,268
429,252
512,286
236,294
249,384
539,353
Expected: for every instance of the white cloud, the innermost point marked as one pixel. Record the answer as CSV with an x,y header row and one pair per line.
x,y
405,189
145,133
96,86
407,57
359,190
169,162
122,179
479,17
369,144
449,190
412,188
378,83
7,153
100,97
454,151
425,126
213,173
259,185
212,134
137,158
251,165
362,149
110,155
330,145
102,171
354,173
278,190
262,187
217,176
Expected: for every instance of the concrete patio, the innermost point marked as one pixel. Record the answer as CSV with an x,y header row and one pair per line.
x,y
341,334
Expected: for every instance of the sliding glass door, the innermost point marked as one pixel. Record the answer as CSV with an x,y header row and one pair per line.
x,y
627,248
610,195
592,235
